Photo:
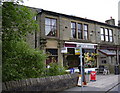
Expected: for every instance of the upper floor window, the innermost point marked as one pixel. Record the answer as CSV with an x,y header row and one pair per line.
x,y
85,31
102,34
50,27
73,29
80,33
111,35
106,35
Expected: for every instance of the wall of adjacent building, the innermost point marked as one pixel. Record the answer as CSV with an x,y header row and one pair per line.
x,y
119,13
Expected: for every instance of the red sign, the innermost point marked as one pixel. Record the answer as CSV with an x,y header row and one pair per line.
x,y
93,76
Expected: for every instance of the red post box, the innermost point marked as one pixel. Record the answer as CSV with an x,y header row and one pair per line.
x,y
93,76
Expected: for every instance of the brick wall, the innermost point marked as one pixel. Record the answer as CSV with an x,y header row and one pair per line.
x,y
52,83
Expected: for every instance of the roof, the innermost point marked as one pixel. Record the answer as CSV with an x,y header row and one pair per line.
x,y
76,18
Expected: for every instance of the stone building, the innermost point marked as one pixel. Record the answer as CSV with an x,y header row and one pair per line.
x,y
60,35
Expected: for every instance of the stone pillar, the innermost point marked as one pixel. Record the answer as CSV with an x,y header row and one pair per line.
x,y
60,55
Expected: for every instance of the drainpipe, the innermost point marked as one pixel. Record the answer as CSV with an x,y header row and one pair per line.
x,y
117,55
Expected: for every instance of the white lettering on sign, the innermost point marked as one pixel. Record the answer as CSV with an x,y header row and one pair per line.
x,y
86,46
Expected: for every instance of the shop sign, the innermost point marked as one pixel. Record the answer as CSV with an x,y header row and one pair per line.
x,y
77,51
86,46
64,50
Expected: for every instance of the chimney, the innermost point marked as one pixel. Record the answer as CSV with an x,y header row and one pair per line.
x,y
111,21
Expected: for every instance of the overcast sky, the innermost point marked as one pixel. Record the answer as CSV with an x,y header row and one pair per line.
x,y
99,10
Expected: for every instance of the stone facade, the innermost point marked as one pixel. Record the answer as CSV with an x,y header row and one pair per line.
x,y
63,34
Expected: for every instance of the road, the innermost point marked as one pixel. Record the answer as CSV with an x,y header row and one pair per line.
x,y
116,89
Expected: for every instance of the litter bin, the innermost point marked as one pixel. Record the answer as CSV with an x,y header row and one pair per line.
x,y
117,70
72,70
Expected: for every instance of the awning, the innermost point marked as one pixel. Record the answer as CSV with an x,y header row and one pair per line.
x,y
108,52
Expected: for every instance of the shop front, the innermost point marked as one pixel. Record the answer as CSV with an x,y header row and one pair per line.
x,y
71,55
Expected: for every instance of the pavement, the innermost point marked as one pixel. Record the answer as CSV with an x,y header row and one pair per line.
x,y
103,84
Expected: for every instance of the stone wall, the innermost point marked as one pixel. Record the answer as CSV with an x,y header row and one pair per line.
x,y
52,83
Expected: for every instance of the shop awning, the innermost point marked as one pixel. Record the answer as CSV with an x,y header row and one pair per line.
x,y
108,52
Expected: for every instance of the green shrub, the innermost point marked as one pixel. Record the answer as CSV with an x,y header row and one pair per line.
x,y
55,69
21,62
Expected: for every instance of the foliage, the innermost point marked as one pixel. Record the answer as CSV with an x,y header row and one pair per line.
x,y
17,21
21,62
55,69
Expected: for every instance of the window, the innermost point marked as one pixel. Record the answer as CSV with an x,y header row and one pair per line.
x,y
71,51
85,31
50,27
102,34
104,61
80,31
73,30
110,35
53,55
106,35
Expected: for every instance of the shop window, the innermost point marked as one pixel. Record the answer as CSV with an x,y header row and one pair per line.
x,y
50,27
90,58
71,51
52,55
104,61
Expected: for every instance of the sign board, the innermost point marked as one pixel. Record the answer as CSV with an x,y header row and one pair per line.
x,y
86,46
77,51
79,80
64,50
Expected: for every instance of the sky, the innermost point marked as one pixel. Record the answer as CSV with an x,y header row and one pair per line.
x,y
98,10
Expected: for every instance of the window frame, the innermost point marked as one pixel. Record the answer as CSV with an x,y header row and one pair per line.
x,y
73,29
80,30
50,56
51,26
106,34
102,34
110,35
84,30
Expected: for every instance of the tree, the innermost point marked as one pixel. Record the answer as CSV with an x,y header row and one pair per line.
x,y
19,60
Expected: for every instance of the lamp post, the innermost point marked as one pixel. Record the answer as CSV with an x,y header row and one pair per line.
x,y
81,64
